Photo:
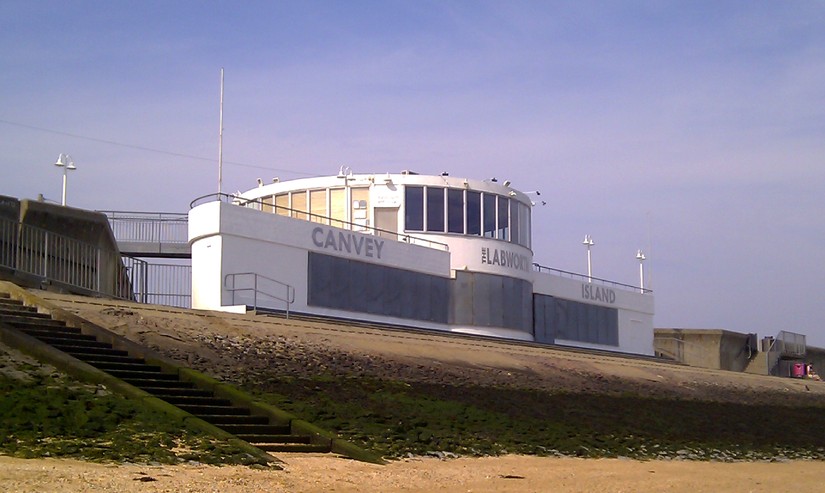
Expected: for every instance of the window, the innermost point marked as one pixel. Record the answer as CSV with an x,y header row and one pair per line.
x,y
474,213
455,211
503,231
282,204
574,321
514,222
299,205
414,208
338,207
267,203
524,228
489,214
435,209
318,205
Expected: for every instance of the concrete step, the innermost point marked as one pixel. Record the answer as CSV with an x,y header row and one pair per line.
x,y
288,438
137,365
21,309
152,376
63,342
95,359
257,429
89,353
58,329
60,333
154,383
304,448
166,392
199,410
220,420
186,400
34,322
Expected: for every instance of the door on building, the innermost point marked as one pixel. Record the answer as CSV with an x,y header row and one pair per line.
x,y
386,220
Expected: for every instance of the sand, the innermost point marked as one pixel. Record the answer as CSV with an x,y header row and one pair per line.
x,y
494,474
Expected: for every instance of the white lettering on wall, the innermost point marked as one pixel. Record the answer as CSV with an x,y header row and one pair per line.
x,y
598,293
351,243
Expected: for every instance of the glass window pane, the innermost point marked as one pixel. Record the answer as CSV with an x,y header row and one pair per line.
x,y
524,229
489,212
503,219
282,204
318,206
455,211
514,221
414,208
435,209
338,207
267,203
299,205
474,213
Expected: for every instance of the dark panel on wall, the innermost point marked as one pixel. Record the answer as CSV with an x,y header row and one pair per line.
x,y
351,285
557,318
487,300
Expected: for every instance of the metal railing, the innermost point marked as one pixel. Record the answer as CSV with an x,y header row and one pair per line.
x,y
160,284
28,252
791,344
256,283
260,205
55,258
586,278
149,227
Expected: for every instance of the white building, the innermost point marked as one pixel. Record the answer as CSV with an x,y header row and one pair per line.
x,y
427,251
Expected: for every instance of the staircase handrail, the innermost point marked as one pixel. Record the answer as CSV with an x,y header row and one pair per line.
x,y
288,299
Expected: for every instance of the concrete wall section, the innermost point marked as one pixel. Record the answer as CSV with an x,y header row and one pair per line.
x,y
716,349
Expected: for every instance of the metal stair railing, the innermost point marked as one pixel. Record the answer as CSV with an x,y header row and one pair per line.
x,y
289,291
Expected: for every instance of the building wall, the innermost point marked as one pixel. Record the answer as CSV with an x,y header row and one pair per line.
x,y
490,282
634,310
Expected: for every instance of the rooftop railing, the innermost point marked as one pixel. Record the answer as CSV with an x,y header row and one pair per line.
x,y
260,205
586,278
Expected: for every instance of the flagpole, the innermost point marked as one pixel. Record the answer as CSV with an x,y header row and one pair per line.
x,y
220,140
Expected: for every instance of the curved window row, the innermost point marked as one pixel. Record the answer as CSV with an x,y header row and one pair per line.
x,y
324,205
453,210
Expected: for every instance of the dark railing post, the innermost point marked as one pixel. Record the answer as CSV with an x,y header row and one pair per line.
x,y
255,283
46,255
144,281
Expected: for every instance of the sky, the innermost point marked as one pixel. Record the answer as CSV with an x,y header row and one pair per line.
x,y
693,130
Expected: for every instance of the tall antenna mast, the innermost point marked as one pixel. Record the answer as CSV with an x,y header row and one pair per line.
x,y
220,140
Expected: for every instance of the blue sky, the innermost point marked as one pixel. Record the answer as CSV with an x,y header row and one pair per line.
x,y
693,130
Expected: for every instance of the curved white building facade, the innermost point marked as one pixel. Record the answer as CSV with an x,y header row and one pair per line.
x,y
428,251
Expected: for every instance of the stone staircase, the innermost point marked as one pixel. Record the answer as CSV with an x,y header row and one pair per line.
x,y
237,420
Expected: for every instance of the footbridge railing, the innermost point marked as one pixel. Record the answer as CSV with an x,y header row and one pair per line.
x,y
151,234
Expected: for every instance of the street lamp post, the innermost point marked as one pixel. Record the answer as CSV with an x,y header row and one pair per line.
x,y
65,161
588,242
641,258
